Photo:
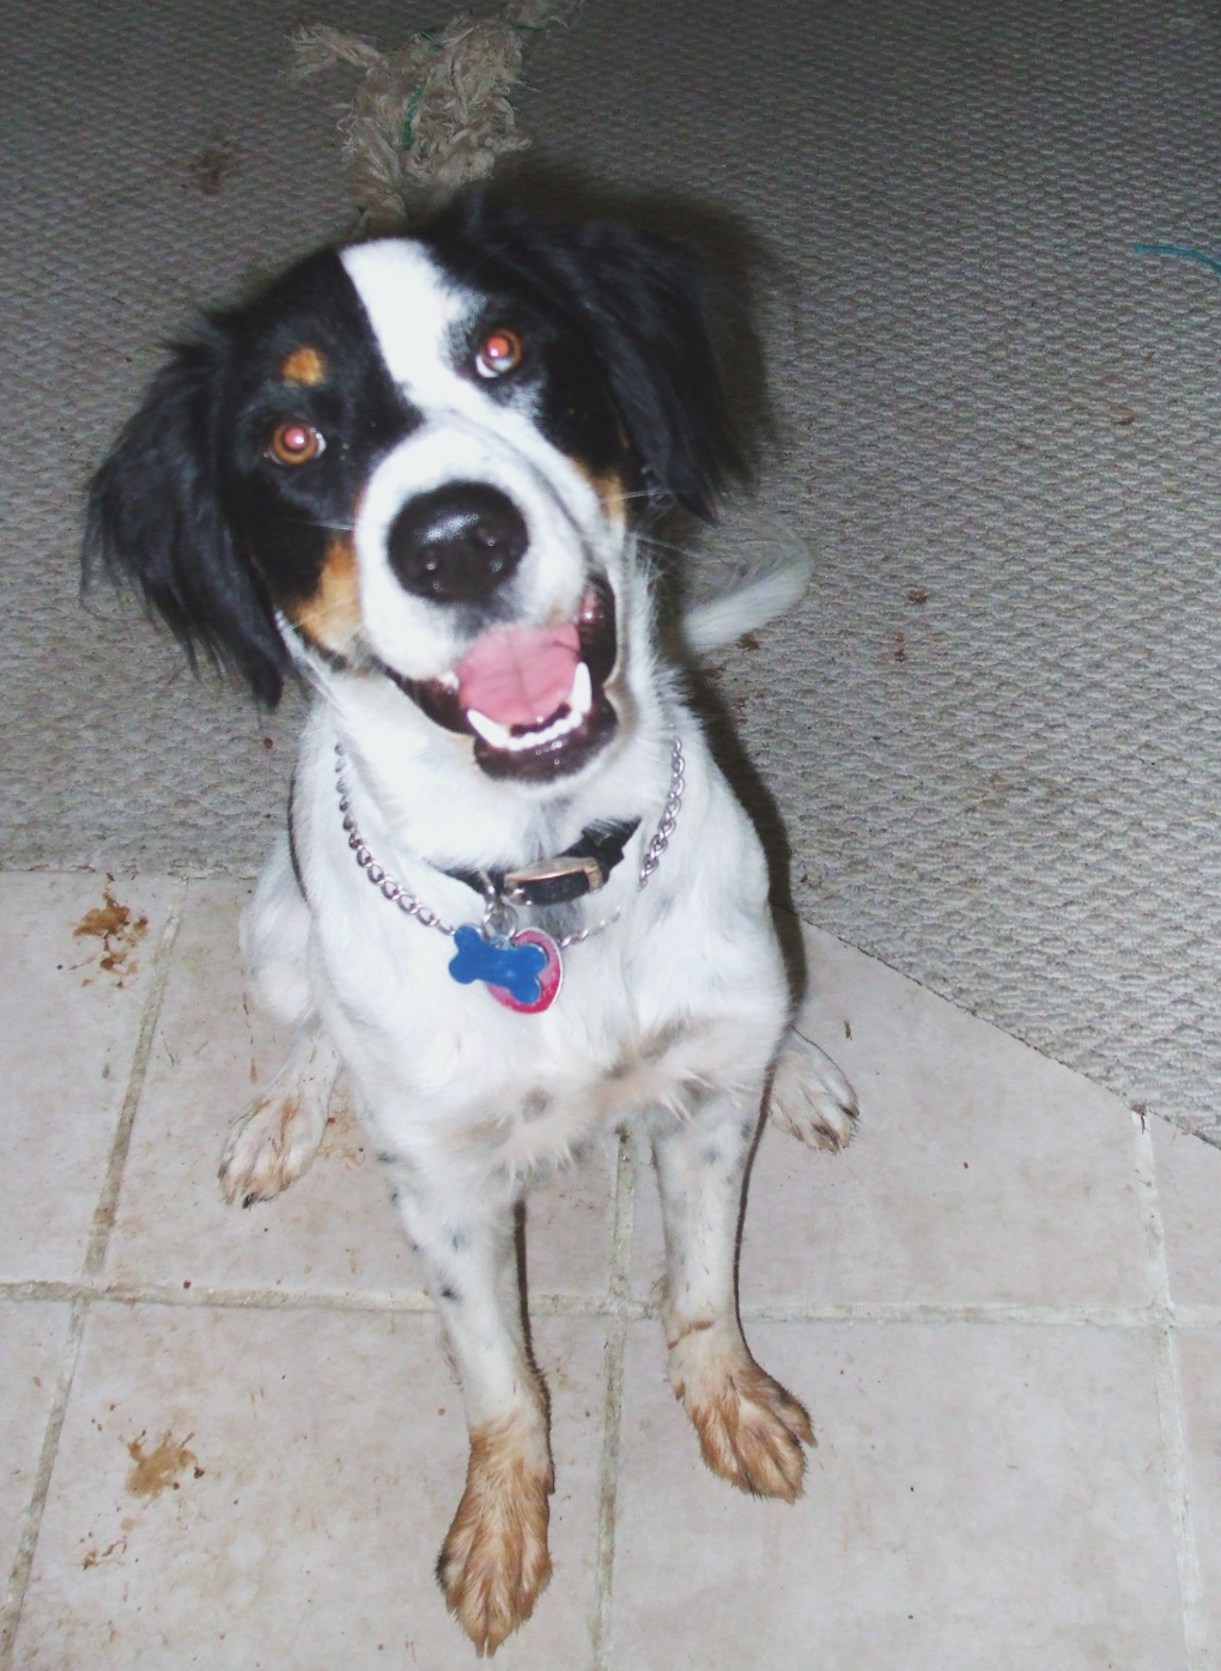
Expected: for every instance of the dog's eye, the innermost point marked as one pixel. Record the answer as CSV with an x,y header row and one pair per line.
x,y
295,443
499,352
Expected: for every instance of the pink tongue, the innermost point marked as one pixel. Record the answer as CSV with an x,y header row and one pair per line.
x,y
519,675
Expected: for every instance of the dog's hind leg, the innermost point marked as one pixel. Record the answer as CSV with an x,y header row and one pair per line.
x,y
277,1136
809,1096
494,1561
751,1431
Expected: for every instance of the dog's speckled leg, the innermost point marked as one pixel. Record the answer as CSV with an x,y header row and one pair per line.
x,y
751,1430
494,1561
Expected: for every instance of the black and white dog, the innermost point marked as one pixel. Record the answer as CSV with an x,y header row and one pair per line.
x,y
517,900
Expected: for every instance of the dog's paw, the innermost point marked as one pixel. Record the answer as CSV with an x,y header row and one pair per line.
x,y
275,1140
269,1147
751,1431
494,1563
810,1096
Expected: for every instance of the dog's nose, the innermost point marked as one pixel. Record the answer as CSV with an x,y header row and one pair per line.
x,y
458,543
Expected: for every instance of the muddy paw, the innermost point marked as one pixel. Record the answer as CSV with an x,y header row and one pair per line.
x,y
810,1096
494,1564
270,1146
751,1431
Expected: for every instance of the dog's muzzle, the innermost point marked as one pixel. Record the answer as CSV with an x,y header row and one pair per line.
x,y
533,698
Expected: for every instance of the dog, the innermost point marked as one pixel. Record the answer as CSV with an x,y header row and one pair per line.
x,y
516,899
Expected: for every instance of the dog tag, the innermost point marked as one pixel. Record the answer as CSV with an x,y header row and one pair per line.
x,y
523,972
548,980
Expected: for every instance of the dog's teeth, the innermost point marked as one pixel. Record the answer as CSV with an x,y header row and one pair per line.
x,y
497,736
492,732
581,696
568,721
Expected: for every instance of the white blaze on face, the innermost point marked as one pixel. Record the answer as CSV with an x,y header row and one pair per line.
x,y
419,319
412,311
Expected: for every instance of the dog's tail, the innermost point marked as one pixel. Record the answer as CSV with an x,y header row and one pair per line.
x,y
751,577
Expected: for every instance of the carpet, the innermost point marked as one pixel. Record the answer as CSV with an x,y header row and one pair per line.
x,y
993,730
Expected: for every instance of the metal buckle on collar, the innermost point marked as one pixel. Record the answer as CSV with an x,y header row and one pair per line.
x,y
554,881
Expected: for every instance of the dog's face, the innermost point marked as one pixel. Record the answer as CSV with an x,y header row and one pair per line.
x,y
422,460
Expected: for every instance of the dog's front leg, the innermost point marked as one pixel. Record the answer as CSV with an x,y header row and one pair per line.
x,y
751,1430
494,1561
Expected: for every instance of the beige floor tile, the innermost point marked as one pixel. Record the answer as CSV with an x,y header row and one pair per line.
x,y
982,1495
298,1474
1189,1196
32,1336
982,1172
1199,1352
335,1228
71,1007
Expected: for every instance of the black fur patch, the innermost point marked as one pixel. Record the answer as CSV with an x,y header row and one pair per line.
x,y
618,371
189,506
616,309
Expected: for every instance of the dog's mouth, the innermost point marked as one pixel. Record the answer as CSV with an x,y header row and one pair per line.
x,y
533,698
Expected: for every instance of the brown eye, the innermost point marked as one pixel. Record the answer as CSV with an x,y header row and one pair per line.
x,y
295,443
500,351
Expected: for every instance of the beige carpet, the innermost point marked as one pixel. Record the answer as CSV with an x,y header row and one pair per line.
x,y
993,731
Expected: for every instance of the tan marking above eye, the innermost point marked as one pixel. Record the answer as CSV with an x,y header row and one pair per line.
x,y
295,442
499,352
305,366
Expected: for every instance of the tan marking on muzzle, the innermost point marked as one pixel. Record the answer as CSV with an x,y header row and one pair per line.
x,y
331,614
611,490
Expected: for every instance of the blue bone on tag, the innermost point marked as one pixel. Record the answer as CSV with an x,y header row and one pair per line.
x,y
516,968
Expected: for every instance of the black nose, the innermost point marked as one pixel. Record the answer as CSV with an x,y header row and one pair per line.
x,y
457,543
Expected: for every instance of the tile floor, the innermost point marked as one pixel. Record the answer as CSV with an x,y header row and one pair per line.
x,y
229,1440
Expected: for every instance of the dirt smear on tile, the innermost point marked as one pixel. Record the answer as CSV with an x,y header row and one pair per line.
x,y
120,933
160,1469
116,1550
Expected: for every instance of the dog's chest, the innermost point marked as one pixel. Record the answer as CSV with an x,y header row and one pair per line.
x,y
432,1055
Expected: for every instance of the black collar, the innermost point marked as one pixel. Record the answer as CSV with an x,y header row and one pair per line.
x,y
580,869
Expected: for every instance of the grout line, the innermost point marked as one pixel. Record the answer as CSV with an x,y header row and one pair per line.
x,y
82,1294
616,1303
1195,1317
108,1201
612,1418
1170,1404
23,1560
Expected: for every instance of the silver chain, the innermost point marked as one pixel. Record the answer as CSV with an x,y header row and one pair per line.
x,y
394,891
410,906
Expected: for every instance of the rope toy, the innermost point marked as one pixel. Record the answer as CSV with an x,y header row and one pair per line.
x,y
433,116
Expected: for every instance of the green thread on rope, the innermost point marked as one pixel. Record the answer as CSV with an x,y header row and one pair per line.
x,y
413,104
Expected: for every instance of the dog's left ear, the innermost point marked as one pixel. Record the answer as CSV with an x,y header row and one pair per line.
x,y
648,303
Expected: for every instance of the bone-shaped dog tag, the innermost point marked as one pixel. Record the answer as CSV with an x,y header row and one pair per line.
x,y
523,973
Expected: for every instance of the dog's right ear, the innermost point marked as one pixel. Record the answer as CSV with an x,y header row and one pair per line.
x,y
155,520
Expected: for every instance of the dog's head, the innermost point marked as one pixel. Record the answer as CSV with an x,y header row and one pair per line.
x,y
423,460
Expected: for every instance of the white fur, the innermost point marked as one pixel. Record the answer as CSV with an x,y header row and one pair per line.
x,y
675,1014
765,591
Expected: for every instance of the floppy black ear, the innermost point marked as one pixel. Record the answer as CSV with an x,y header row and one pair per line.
x,y
649,305
155,520
649,302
